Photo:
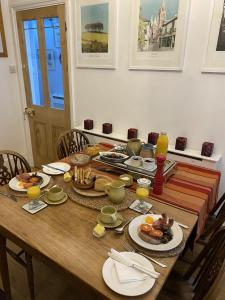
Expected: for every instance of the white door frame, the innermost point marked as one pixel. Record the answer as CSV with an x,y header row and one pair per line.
x,y
15,6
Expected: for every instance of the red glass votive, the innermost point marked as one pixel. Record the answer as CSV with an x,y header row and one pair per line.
x,y
107,128
181,143
153,137
88,124
207,149
132,133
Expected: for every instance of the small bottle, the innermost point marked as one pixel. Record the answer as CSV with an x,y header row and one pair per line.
x,y
162,143
158,179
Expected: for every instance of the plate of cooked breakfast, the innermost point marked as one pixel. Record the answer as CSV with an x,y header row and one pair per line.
x,y
155,232
113,157
88,183
21,182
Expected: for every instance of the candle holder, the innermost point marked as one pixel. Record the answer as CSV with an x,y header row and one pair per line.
x,y
152,138
132,133
181,143
107,128
88,124
207,149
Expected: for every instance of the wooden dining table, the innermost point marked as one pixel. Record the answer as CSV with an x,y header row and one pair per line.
x,y
62,236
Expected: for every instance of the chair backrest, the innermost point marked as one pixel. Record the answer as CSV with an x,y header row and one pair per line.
x,y
70,142
207,265
11,164
216,223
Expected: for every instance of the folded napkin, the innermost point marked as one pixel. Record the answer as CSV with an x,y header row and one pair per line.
x,y
129,265
127,274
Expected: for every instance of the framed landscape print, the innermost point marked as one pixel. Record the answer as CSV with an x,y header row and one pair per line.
x,y
158,34
3,49
96,33
214,60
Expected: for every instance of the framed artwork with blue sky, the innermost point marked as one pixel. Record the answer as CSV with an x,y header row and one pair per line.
x,y
96,31
158,34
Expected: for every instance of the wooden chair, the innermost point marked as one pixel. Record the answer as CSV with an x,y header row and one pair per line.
x,y
202,272
11,164
70,142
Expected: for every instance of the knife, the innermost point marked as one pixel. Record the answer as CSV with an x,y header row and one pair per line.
x,y
127,262
54,168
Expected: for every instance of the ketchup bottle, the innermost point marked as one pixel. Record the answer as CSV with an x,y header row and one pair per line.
x,y
158,180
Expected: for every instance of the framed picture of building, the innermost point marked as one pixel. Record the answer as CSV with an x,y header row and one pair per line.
x,y
158,34
96,33
3,48
214,59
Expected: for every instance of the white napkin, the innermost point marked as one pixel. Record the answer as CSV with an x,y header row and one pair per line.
x,y
130,264
127,274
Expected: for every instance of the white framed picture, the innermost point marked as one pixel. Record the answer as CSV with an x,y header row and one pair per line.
x,y
96,33
158,34
214,59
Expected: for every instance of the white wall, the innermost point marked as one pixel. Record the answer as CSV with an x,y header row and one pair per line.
x,y
11,118
186,103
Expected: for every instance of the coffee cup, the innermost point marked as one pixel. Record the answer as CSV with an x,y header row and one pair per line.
x,y
55,193
108,215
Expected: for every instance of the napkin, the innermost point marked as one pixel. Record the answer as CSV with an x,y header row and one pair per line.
x,y
127,274
130,264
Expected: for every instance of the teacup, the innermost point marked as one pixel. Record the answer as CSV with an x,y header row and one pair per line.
x,y
108,215
115,190
55,193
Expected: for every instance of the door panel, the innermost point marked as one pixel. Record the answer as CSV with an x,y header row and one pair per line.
x,y
43,49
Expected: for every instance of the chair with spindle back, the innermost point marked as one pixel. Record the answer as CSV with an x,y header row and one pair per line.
x,y
12,164
70,142
203,272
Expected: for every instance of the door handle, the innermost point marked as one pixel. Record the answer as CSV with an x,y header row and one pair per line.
x,y
30,112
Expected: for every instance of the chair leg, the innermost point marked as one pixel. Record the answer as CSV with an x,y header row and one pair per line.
x,y
30,274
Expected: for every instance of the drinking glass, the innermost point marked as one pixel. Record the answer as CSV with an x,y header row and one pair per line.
x,y
142,191
33,193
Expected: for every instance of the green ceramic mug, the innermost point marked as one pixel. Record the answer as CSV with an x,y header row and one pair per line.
x,y
55,193
108,215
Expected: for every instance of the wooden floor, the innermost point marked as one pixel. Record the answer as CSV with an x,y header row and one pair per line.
x,y
52,285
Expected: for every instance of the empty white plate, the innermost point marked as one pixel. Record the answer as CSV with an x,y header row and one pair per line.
x,y
59,165
132,288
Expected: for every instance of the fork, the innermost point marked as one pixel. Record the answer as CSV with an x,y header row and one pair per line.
x,y
10,196
129,248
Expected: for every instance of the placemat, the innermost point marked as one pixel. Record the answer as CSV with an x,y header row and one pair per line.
x,y
173,252
99,202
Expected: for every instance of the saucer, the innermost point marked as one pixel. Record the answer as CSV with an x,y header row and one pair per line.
x,y
56,202
118,222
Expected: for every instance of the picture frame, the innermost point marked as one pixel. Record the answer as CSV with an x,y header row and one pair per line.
x,y
158,34
96,33
214,57
3,47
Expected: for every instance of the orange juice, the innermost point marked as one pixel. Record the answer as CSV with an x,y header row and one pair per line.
x,y
142,192
33,192
162,144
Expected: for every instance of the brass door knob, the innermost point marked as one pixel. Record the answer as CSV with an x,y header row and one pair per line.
x,y
29,111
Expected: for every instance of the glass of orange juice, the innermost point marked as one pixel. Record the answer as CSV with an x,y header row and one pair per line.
x,y
33,193
142,191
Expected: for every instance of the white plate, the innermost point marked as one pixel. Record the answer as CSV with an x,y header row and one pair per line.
x,y
131,288
14,182
60,165
176,231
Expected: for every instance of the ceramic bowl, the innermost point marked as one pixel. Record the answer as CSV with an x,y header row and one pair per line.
x,y
136,161
127,179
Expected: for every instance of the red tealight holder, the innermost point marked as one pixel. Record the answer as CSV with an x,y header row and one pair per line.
x,y
207,149
88,124
181,143
107,128
152,138
132,133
